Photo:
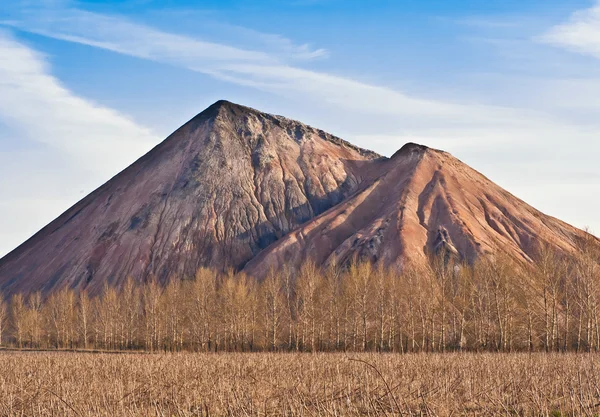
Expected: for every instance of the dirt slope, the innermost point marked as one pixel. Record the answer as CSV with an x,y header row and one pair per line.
x,y
420,201
217,191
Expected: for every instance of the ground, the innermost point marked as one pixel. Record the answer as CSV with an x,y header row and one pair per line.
x,y
187,384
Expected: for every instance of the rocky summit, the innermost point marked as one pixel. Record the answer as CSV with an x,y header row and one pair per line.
x,y
238,188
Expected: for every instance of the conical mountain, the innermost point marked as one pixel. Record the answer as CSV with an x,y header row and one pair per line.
x,y
419,202
215,193
237,188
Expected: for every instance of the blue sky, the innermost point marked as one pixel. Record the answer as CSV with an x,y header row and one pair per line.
x,y
510,87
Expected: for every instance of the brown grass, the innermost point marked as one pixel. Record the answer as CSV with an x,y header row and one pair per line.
x,y
186,384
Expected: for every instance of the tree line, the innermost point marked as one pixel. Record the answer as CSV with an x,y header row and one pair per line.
x,y
492,305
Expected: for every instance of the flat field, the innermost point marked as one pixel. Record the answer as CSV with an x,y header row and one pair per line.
x,y
188,384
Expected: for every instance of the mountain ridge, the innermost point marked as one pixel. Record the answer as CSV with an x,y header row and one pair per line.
x,y
436,200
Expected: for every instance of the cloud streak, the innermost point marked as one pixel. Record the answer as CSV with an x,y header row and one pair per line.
x,y
256,69
59,133
43,110
278,45
580,33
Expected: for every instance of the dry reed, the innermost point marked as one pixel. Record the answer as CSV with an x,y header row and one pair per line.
x,y
256,384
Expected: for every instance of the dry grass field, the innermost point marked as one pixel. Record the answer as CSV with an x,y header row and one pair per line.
x,y
187,384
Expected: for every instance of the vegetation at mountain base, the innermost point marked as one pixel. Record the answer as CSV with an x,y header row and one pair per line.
x,y
492,305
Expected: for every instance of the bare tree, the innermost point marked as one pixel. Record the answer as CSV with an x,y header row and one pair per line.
x,y
33,321
586,273
151,306
3,317
129,307
551,273
18,317
381,281
308,284
60,311
173,318
84,318
203,309
359,281
273,307
462,297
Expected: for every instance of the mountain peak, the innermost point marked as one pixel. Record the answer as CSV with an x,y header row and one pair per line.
x,y
219,107
412,148
243,120
223,102
228,105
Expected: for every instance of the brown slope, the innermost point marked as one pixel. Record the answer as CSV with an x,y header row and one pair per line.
x,y
217,191
421,199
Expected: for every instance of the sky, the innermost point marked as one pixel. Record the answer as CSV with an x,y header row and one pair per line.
x,y
510,87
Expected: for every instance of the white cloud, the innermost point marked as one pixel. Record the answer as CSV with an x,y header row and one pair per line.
x,y
244,67
268,71
581,33
69,144
304,51
277,45
35,103
119,35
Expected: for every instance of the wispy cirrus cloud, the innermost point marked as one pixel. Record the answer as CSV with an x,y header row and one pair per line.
x,y
405,115
258,69
122,36
580,33
276,45
271,72
58,133
301,52
36,104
